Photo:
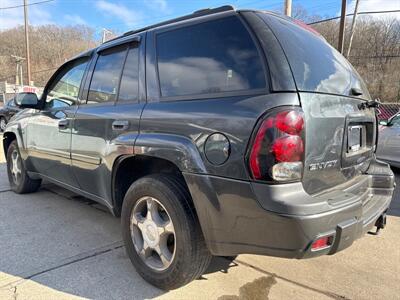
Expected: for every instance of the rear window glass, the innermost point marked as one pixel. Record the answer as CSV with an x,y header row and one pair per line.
x,y
316,65
210,57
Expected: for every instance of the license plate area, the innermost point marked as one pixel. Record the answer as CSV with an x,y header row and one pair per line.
x,y
358,142
354,138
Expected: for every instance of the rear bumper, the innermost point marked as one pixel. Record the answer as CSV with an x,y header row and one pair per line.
x,y
242,217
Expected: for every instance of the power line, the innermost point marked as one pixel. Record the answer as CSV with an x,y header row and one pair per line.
x,y
34,3
360,13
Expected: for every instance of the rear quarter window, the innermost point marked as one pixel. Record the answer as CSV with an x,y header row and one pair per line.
x,y
207,58
316,66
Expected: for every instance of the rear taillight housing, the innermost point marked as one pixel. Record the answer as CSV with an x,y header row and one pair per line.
x,y
277,150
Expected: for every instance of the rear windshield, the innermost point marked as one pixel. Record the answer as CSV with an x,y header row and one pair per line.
x,y
316,66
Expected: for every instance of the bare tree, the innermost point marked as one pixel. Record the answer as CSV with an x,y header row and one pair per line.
x,y
51,46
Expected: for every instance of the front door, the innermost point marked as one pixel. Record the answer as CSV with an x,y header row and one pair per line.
x,y
49,129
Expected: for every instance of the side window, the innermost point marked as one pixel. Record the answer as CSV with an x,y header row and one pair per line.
x,y
106,76
64,90
211,57
11,103
395,121
129,88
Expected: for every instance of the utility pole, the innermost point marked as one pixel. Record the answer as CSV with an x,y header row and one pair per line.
x,y
353,25
342,27
28,61
19,79
288,8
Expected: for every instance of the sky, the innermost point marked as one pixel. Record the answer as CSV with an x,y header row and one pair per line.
x,y
124,15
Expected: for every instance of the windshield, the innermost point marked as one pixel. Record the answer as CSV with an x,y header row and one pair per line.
x,y
316,66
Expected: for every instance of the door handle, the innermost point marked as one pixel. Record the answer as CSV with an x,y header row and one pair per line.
x,y
63,124
120,125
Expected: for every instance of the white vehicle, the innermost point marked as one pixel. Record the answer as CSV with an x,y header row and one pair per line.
x,y
389,141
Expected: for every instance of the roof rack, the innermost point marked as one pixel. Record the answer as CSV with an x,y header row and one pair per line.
x,y
197,13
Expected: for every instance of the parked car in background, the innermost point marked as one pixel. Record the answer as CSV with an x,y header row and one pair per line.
x,y
218,133
389,141
9,109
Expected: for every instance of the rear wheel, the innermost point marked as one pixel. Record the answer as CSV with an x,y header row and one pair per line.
x,y
3,124
19,180
162,235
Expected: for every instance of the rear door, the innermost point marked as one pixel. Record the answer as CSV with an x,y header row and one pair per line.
x,y
107,121
340,133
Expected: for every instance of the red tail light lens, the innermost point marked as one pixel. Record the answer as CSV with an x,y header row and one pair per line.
x,y
288,148
278,148
290,122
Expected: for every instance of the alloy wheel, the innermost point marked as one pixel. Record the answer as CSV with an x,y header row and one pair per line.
x,y
3,124
16,166
153,233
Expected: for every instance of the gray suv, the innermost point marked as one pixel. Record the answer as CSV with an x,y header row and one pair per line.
x,y
218,133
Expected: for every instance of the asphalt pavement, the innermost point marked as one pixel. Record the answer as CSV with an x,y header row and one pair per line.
x,y
57,245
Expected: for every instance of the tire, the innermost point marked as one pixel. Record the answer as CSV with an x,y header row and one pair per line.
x,y
3,124
19,180
169,199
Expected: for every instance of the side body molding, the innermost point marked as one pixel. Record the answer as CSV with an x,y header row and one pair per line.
x,y
177,149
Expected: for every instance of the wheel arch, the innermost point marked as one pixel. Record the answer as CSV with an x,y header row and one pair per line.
x,y
129,168
8,137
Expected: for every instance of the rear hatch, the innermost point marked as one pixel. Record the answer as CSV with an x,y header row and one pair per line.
x,y
340,134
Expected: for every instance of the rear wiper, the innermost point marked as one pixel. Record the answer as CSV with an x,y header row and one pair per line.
x,y
368,104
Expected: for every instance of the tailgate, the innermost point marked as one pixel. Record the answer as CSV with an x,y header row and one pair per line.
x,y
340,140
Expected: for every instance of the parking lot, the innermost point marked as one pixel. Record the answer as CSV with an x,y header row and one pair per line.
x,y
54,244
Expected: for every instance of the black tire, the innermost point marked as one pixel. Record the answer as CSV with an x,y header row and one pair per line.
x,y
192,256
20,184
3,123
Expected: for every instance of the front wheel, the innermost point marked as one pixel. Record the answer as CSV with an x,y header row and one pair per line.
x,y
3,124
161,232
19,180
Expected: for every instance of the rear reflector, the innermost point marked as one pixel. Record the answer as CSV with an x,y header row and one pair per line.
x,y
322,243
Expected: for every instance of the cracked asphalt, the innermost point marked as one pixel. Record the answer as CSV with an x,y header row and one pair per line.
x,y
57,245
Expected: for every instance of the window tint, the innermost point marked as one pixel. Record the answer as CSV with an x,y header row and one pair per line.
x,y
211,57
64,91
316,65
106,75
128,90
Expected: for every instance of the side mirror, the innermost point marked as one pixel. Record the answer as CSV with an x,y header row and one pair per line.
x,y
27,100
383,122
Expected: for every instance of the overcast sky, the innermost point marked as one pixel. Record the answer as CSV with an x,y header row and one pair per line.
x,y
124,15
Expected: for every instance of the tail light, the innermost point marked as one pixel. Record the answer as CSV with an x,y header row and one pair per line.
x,y
277,152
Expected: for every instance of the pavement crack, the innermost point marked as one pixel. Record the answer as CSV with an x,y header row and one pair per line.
x,y
15,293
69,261
326,293
73,261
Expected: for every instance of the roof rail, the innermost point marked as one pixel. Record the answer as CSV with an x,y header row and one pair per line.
x,y
197,13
